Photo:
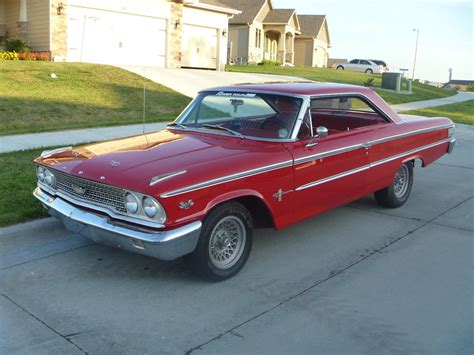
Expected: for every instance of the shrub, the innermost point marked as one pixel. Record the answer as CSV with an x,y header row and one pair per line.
x,y
270,63
44,56
8,56
369,82
470,88
16,44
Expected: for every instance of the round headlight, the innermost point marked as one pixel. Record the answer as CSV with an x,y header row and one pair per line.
x,y
40,173
131,203
153,209
49,177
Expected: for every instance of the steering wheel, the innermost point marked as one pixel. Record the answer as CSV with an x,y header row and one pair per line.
x,y
273,120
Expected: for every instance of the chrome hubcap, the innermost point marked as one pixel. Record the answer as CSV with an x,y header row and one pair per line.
x,y
227,242
400,182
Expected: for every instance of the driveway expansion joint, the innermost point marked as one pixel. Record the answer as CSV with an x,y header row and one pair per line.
x,y
331,275
43,323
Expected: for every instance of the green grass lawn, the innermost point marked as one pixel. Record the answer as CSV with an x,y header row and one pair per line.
x,y
461,112
17,182
420,91
82,96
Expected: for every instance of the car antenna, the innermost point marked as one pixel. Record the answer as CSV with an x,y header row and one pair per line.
x,y
144,103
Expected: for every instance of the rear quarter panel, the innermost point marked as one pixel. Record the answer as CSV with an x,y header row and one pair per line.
x,y
413,138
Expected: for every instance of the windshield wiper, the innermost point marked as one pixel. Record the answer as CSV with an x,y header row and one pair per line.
x,y
223,129
177,124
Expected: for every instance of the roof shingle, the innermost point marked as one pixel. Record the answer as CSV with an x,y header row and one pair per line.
x,y
310,25
249,8
279,16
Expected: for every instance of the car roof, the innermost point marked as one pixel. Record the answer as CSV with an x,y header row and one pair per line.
x,y
297,88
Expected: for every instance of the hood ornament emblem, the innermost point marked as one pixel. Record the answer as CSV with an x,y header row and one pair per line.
x,y
114,163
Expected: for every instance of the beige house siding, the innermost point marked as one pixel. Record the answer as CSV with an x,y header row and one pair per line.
x,y
12,14
304,52
239,42
255,54
263,12
323,34
2,18
320,57
38,25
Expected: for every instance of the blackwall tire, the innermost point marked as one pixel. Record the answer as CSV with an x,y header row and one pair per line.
x,y
224,244
398,192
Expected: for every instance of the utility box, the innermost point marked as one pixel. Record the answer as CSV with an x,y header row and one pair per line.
x,y
392,81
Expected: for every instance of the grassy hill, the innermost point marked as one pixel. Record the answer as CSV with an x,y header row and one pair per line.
x,y
82,95
420,91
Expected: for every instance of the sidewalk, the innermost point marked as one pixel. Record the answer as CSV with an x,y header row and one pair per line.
x,y
416,105
74,137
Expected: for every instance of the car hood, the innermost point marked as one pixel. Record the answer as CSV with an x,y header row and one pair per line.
x,y
133,162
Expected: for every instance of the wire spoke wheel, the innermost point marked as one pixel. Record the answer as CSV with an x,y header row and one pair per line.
x,y
400,182
227,242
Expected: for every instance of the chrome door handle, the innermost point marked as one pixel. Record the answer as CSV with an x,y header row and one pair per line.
x,y
366,145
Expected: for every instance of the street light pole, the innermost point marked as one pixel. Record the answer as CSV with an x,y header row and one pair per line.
x,y
416,50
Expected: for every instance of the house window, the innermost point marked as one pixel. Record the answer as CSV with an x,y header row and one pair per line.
x,y
258,38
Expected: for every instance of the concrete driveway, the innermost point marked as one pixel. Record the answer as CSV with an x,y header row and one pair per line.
x,y
359,279
190,81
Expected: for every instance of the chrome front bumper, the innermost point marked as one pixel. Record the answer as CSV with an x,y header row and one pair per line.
x,y
166,245
452,142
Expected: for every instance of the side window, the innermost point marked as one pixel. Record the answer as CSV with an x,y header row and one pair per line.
x,y
343,113
365,62
354,61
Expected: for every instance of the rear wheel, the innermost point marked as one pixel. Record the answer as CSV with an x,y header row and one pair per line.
x,y
369,71
224,244
398,192
340,67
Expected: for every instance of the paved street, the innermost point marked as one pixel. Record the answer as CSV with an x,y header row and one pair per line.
x,y
359,279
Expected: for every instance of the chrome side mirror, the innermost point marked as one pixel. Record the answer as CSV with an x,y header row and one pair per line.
x,y
322,132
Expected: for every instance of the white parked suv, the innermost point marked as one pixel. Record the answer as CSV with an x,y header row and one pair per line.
x,y
363,65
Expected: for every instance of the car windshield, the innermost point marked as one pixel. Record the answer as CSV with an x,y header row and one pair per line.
x,y
242,114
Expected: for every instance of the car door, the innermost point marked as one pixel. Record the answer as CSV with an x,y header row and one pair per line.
x,y
352,65
364,65
329,171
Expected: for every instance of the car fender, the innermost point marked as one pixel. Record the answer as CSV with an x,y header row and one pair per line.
x,y
232,195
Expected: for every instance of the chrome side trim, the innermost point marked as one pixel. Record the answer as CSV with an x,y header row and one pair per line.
x,y
312,157
228,178
407,134
401,155
333,177
157,179
372,165
329,153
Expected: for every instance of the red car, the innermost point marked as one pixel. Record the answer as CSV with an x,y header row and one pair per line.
x,y
239,158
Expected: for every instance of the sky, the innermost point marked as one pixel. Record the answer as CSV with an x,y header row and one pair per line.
x,y
383,29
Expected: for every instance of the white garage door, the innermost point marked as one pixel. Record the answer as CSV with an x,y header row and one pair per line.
x,y
104,37
199,47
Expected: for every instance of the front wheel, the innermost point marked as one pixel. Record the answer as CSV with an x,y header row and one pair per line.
x,y
224,244
369,71
340,67
398,192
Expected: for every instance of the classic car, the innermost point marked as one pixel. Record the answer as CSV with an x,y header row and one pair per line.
x,y
238,158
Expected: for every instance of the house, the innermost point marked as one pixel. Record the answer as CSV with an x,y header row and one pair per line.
x,y
462,85
261,32
166,33
311,46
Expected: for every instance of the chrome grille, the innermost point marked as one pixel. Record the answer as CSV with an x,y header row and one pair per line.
x,y
94,192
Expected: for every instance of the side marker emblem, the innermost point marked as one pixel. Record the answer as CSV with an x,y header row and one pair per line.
x,y
185,205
